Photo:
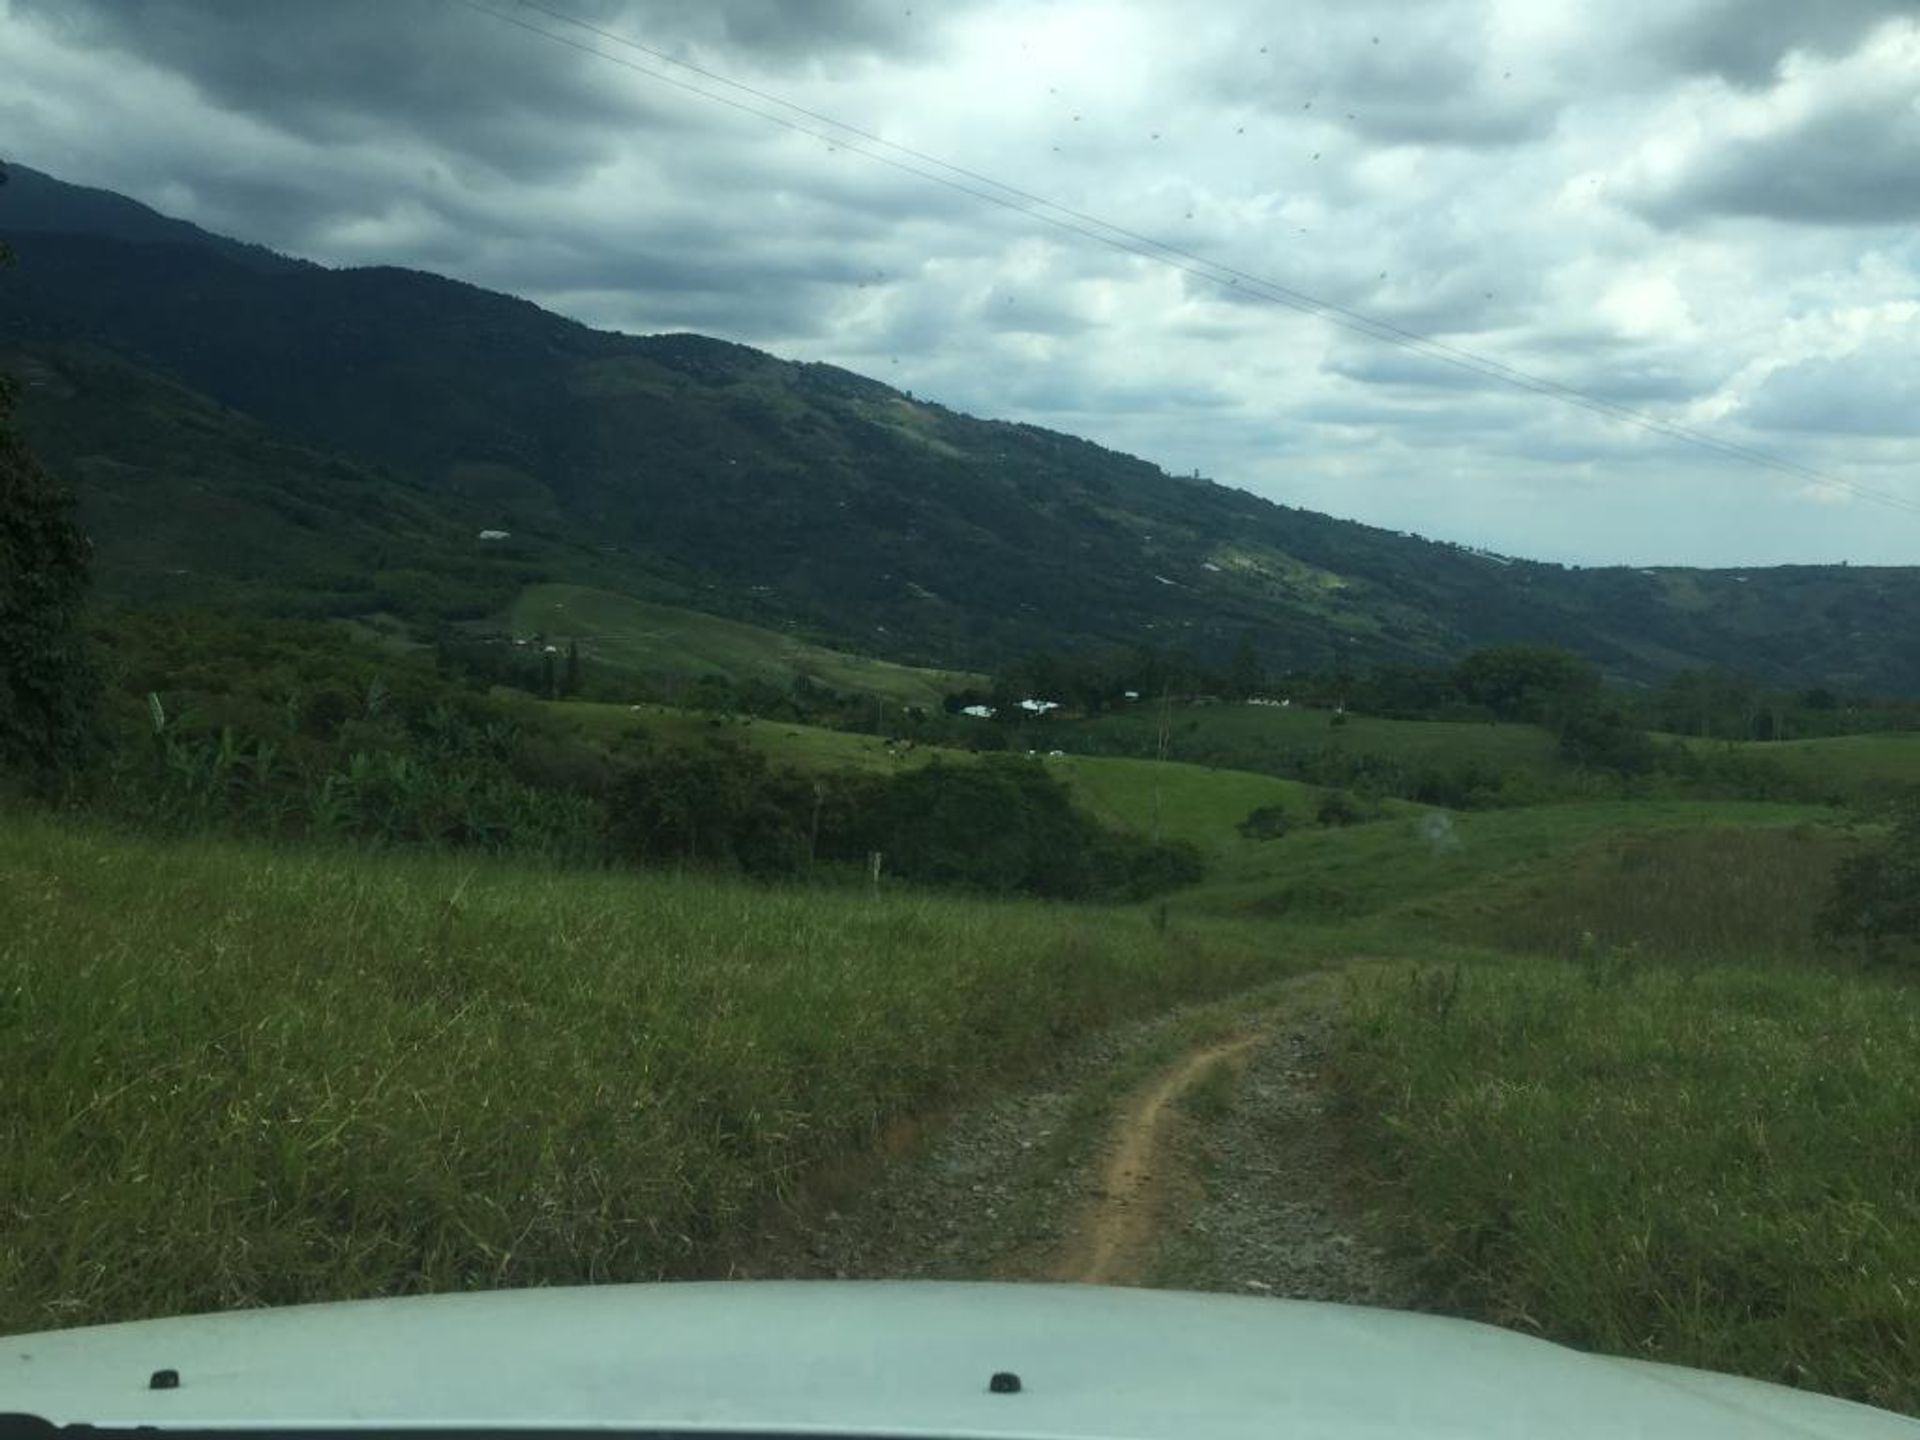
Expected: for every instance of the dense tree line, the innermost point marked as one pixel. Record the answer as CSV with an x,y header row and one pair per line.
x,y
46,684
298,730
1001,824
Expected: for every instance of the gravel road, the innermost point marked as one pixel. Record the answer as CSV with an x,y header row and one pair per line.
x,y
1246,1195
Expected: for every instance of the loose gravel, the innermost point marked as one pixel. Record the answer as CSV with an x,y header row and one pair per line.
x,y
1003,1189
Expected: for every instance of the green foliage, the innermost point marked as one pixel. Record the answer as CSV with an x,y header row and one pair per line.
x,y
1602,737
1337,807
1703,1167
288,729
46,679
757,666
1266,822
1002,825
718,803
237,1075
1875,898
1534,684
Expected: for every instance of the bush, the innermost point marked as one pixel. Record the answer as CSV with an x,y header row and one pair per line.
x,y
1268,822
1337,807
1875,898
1005,824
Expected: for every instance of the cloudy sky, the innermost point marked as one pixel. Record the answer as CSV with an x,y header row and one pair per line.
x,y
1704,212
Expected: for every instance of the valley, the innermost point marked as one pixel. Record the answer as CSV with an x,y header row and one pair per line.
x,y
487,802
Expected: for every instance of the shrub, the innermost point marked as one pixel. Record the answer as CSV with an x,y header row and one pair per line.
x,y
1875,898
1337,807
1268,822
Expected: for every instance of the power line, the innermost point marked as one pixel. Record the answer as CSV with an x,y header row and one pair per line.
x,y
931,168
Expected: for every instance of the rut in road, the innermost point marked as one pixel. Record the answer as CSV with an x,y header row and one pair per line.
x,y
1116,1237
1049,1181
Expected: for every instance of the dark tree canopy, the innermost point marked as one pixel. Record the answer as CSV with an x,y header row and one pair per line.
x,y
1534,683
45,683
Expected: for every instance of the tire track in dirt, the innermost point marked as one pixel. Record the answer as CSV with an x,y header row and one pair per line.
x,y
1115,1238
1250,1191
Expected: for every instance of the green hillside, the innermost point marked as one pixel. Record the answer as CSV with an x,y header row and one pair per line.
x,y
646,639
1182,802
689,471
1202,732
189,502
1854,765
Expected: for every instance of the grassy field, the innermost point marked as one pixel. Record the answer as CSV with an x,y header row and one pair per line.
x,y
1858,766
1609,1087
1242,734
661,640
233,1076
1710,1165
804,747
1439,871
1181,802
1718,893
1659,1119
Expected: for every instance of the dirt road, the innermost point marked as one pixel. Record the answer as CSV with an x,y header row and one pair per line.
x,y
1116,1237
1197,1151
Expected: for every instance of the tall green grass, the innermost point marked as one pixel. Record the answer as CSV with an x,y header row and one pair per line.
x,y
234,1075
1857,767
1717,893
1717,1168
1444,871
1672,1126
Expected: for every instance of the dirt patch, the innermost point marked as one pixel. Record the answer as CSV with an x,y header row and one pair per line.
x,y
1116,1238
1279,1212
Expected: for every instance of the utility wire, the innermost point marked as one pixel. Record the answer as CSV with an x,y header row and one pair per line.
x,y
983,187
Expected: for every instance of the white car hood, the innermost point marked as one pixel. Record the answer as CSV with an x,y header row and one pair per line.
x,y
889,1359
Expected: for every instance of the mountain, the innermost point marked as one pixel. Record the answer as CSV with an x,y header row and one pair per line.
x,y
32,201
360,424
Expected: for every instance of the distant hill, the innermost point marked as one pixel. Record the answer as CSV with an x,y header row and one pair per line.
x,y
689,471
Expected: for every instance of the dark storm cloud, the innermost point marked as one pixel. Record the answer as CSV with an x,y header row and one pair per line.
x,y
1744,41
1856,164
802,28
1434,90
1395,74
464,82
362,70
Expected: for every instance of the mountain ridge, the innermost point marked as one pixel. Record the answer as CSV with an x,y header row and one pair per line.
x,y
701,472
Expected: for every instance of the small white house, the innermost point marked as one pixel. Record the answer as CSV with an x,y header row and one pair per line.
x,y
978,712
1039,707
494,534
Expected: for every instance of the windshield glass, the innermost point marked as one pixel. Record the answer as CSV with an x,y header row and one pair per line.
x,y
1167,647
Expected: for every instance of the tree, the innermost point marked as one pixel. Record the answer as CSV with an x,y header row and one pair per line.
x,y
1875,898
1244,675
46,684
1534,683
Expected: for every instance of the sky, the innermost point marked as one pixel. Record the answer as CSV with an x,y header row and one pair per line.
x,y
1705,213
